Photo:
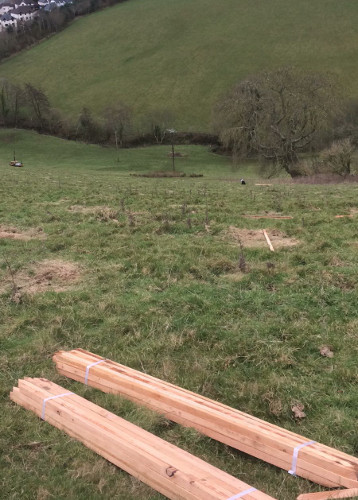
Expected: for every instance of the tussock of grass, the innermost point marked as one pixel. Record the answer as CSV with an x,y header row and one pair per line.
x,y
170,300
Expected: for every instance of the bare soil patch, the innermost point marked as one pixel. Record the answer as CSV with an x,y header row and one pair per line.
x,y
48,275
254,238
12,233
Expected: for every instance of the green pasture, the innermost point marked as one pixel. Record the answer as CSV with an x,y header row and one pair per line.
x,y
182,55
160,290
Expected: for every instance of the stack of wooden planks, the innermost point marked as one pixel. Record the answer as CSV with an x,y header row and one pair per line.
x,y
285,449
168,469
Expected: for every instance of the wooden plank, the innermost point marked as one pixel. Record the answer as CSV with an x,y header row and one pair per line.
x,y
132,380
268,240
274,217
273,444
170,470
248,441
272,427
326,495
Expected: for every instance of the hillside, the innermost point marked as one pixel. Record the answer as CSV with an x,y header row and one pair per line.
x,y
182,54
110,263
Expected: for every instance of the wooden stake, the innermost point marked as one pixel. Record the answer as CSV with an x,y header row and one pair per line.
x,y
268,240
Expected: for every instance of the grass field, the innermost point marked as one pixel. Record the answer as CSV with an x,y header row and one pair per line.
x,y
161,296
183,54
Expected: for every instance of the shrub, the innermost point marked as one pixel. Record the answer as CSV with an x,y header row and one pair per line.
x,y
337,159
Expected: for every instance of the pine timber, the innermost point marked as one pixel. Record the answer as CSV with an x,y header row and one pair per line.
x,y
268,240
326,495
173,472
275,445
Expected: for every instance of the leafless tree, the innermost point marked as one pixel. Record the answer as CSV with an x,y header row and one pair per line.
x,y
11,97
38,102
276,114
159,121
337,158
119,122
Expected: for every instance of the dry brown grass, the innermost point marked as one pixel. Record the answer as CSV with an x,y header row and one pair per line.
x,y
48,275
7,232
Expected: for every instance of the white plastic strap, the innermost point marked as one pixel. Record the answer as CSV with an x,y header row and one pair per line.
x,y
242,494
52,397
90,366
295,456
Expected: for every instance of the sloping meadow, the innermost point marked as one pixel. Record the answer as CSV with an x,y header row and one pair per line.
x,y
162,276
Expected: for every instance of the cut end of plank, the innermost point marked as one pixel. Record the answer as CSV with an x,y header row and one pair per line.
x,y
326,495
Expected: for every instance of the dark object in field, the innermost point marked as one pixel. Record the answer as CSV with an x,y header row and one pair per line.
x,y
242,181
15,163
166,174
270,266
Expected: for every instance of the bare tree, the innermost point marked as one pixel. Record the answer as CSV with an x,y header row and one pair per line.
x,y
338,157
11,98
4,102
38,102
276,114
119,122
159,121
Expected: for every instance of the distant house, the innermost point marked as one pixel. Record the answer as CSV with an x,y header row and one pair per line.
x,y
50,6
23,13
5,7
26,3
7,21
43,3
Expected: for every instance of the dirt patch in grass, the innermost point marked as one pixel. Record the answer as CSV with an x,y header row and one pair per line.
x,y
12,233
48,275
254,238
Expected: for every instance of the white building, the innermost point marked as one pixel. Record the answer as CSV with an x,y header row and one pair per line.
x,y
23,13
6,7
7,21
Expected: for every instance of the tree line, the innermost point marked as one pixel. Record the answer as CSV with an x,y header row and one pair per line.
x,y
288,119
13,40
27,106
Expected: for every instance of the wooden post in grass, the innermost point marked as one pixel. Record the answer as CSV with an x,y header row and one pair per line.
x,y
172,132
268,240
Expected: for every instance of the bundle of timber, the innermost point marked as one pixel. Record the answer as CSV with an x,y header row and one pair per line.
x,y
275,445
168,469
